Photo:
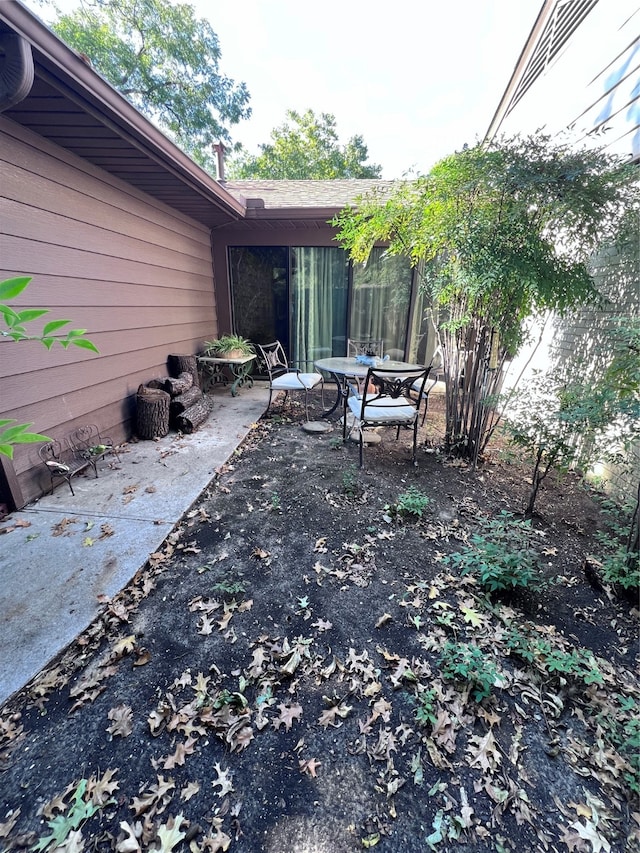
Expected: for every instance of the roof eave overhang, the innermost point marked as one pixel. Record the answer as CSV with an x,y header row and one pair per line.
x,y
88,88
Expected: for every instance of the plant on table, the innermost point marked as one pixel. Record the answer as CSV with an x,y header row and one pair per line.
x,y
229,346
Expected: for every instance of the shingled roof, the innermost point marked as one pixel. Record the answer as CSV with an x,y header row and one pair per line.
x,y
299,201
278,195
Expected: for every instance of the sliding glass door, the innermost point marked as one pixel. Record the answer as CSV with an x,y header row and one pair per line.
x,y
309,299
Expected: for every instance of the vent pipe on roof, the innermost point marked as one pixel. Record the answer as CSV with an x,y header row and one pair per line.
x,y
16,69
219,149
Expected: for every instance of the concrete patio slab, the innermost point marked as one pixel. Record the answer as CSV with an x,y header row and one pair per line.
x,y
65,552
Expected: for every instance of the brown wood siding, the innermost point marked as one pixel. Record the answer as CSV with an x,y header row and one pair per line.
x,y
133,272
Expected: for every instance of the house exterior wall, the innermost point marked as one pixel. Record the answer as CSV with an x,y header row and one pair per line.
x,y
591,86
586,335
590,93
136,274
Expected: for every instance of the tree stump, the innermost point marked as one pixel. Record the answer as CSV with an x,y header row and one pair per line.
x,y
182,402
184,364
174,387
192,417
152,412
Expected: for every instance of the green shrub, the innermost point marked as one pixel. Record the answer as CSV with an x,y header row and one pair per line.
x,y
413,503
501,556
620,565
467,663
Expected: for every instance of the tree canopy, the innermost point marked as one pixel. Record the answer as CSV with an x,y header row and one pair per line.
x,y
500,231
306,146
166,62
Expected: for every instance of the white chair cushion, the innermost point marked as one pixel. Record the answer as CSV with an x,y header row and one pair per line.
x,y
384,409
296,381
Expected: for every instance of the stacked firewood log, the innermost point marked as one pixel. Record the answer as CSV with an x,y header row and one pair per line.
x,y
175,402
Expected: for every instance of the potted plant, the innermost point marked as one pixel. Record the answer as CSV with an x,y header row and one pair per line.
x,y
229,346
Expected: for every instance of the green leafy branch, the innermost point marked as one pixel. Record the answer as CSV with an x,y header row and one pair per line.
x,y
15,320
11,432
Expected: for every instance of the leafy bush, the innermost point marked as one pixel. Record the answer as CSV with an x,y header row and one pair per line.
x,y
619,562
501,556
426,707
468,663
350,481
413,502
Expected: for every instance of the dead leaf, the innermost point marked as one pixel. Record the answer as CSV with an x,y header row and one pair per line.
x,y
122,721
7,827
106,530
155,799
60,529
288,713
123,646
383,620
190,791
143,656
484,752
589,832
170,835
475,619
309,766
130,843
180,753
223,781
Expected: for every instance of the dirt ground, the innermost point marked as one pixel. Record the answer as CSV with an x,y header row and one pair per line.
x,y
282,676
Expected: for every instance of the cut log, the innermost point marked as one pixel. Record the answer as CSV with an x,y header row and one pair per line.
x,y
178,364
192,417
158,384
180,404
174,387
152,412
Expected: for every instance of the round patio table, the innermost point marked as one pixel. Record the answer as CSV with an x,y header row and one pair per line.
x,y
341,367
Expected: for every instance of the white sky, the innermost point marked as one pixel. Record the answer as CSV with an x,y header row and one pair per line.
x,y
415,78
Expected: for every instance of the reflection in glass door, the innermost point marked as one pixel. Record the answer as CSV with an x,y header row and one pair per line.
x,y
260,293
380,301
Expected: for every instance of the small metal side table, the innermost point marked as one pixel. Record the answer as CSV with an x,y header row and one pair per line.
x,y
213,371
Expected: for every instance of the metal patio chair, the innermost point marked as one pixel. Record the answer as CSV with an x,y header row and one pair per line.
x,y
282,377
388,399
365,346
436,374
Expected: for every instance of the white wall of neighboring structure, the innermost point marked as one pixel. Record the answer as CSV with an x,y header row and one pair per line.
x,y
579,73
592,85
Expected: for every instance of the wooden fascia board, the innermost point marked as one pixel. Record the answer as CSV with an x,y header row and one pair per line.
x,y
319,213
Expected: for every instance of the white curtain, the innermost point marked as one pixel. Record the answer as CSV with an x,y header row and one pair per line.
x,y
319,299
